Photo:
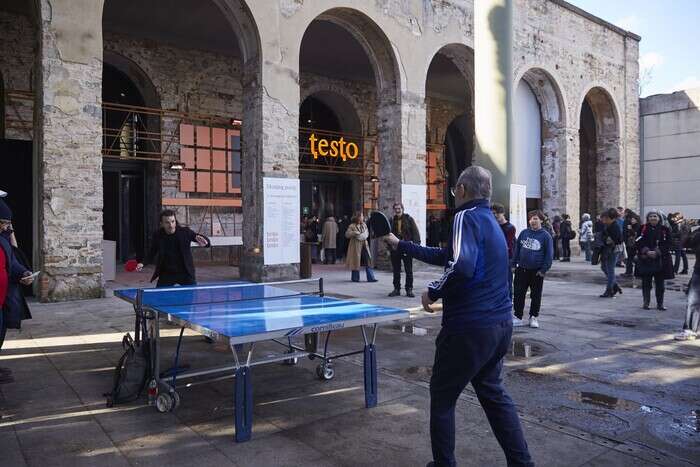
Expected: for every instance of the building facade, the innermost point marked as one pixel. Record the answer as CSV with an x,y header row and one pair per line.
x,y
670,138
113,110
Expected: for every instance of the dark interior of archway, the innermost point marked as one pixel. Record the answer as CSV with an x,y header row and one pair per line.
x,y
124,211
331,51
314,113
588,161
459,143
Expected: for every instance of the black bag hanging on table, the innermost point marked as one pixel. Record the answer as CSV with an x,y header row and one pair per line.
x,y
131,373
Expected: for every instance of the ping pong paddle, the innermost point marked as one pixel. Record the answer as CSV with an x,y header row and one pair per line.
x,y
379,224
130,266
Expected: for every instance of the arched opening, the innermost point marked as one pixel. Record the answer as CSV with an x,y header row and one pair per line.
x,y
130,144
539,138
449,101
196,68
347,128
599,142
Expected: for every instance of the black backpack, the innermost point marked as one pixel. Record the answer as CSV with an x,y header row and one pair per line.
x,y
131,373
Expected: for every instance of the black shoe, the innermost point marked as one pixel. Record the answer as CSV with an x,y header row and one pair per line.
x,y
684,272
607,294
617,289
645,306
409,293
661,307
395,293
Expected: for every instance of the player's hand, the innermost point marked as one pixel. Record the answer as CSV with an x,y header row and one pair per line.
x,y
139,267
27,279
201,241
426,301
391,240
540,273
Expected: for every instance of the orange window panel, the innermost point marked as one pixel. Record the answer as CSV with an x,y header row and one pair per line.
x,y
186,134
218,159
203,159
204,182
219,182
187,156
218,138
186,181
203,136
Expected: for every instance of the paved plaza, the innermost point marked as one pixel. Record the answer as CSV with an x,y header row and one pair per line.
x,y
602,382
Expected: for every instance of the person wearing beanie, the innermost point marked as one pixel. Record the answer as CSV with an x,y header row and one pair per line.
x,y
654,259
12,275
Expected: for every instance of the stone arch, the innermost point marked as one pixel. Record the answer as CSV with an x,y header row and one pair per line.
x,y
462,56
343,104
599,157
552,104
376,45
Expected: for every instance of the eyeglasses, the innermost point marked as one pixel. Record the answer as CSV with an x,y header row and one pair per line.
x,y
453,190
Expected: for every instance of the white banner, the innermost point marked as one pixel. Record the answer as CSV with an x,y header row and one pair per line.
x,y
413,198
518,207
281,220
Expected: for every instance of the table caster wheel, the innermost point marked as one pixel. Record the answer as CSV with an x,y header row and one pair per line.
x,y
325,372
176,400
164,402
290,361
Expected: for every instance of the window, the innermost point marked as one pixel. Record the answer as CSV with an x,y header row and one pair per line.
x,y
212,158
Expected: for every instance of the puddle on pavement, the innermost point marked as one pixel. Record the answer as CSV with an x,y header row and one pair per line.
x,y
682,431
619,322
603,400
524,349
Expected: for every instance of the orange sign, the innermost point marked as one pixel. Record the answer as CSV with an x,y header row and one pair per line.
x,y
333,148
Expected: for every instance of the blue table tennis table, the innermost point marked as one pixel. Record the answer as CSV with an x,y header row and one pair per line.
x,y
245,313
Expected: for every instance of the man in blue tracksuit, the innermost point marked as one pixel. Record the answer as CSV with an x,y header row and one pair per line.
x,y
476,321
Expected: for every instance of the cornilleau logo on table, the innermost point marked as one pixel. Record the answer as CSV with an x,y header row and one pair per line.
x,y
328,327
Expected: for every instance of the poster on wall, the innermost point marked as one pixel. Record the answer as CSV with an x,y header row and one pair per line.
x,y
281,220
413,199
518,207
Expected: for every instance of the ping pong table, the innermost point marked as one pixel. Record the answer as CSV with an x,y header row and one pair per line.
x,y
242,314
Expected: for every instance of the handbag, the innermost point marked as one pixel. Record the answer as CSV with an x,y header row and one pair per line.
x,y
647,266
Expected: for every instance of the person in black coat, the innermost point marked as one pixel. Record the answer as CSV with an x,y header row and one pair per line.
x,y
170,252
15,308
631,229
434,228
654,259
405,228
612,244
566,234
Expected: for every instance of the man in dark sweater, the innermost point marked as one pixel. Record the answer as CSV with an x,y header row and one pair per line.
x,y
476,321
403,227
532,259
171,253
499,211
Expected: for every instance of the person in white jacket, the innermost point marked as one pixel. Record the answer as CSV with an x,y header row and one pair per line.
x,y
586,235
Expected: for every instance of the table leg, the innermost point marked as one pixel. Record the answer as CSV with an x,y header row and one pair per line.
x,y
370,369
243,404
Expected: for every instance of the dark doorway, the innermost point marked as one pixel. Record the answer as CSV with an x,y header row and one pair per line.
x,y
16,178
459,146
588,163
124,208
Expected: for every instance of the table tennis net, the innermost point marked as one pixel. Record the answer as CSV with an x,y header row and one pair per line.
x,y
226,293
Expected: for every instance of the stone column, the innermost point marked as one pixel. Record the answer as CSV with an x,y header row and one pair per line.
x,y
493,69
570,176
69,148
270,139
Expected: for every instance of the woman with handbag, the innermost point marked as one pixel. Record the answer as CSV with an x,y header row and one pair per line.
x,y
358,250
654,259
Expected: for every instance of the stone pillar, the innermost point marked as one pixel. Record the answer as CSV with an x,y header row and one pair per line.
x,y
270,138
493,69
69,137
570,176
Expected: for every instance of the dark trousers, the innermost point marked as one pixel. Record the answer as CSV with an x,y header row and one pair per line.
x,y
329,256
566,248
680,254
659,287
168,279
475,356
556,246
524,279
396,259
629,262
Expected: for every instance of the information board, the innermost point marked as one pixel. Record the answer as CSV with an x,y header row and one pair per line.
x,y
281,220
